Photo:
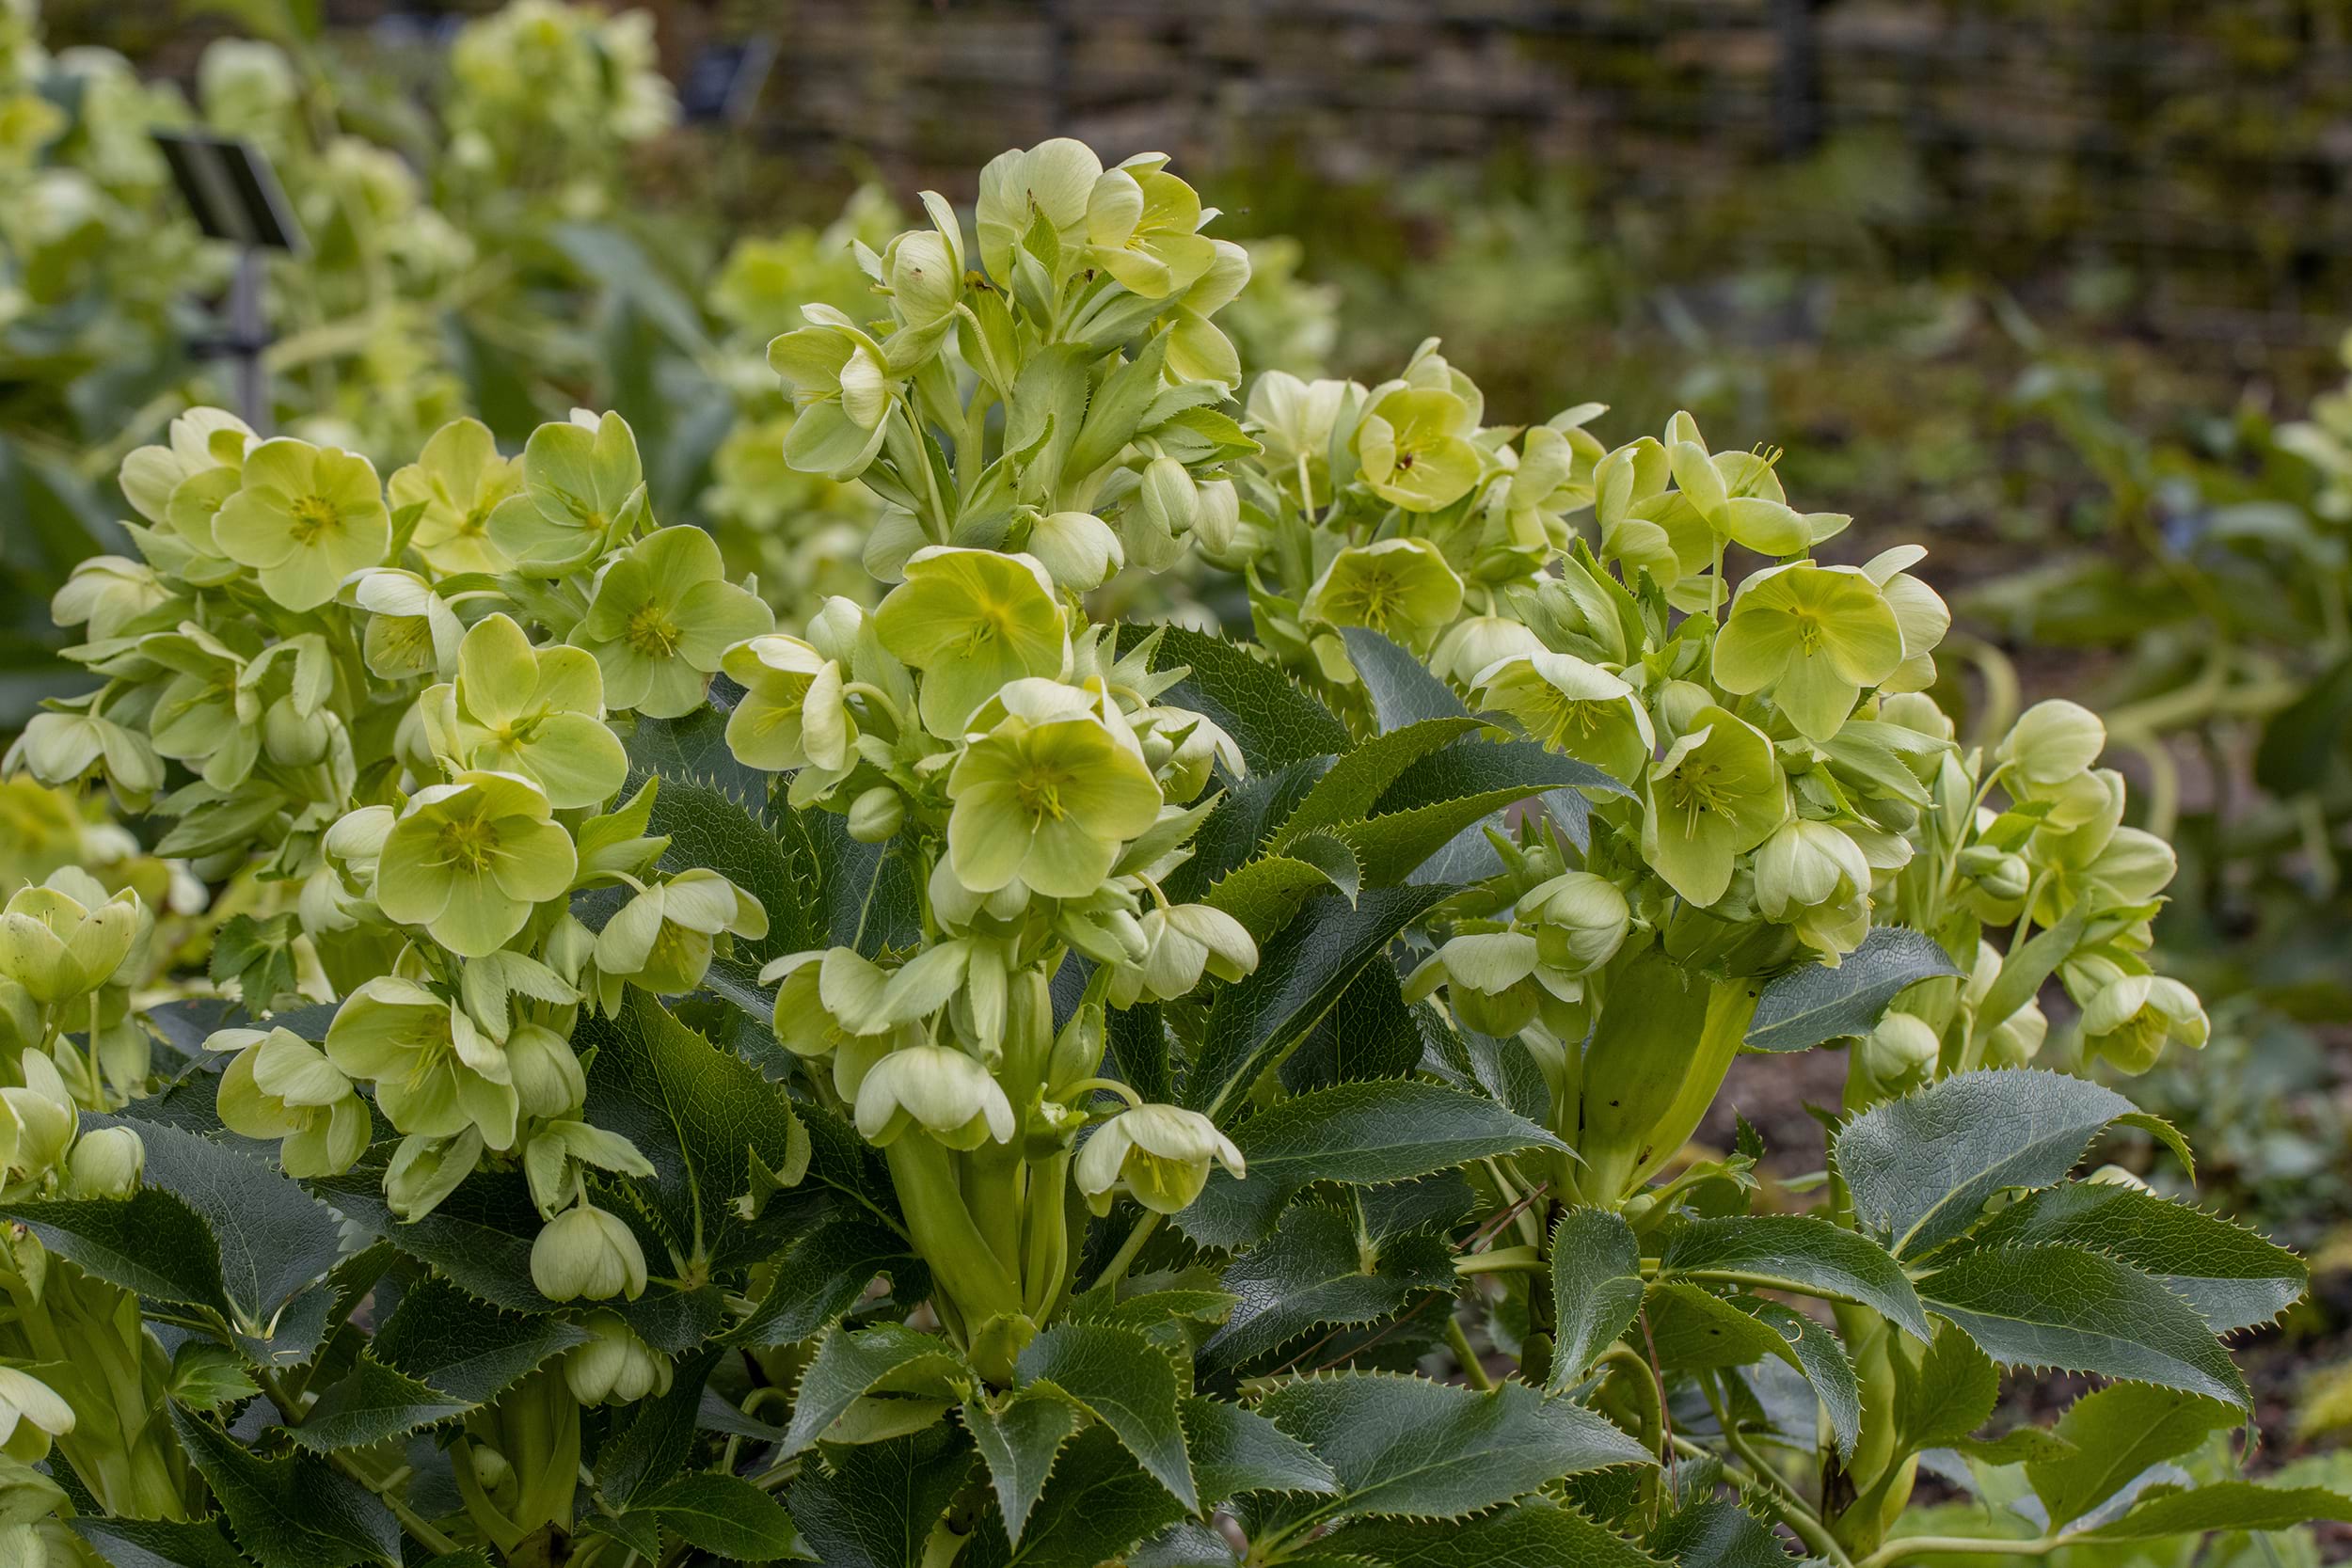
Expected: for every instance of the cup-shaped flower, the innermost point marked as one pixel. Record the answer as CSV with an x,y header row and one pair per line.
x,y
38,1118
106,1162
1476,644
1717,793
663,617
1805,863
1048,802
1077,549
613,1366
1900,1051
1816,636
586,1253
1159,1155
435,1072
458,478
663,938
281,1085
793,713
537,712
1400,588
1575,707
1415,449
842,394
1140,228
1293,421
1186,941
303,519
59,947
2131,1020
971,621
425,1170
583,487
31,1413
467,861
2053,742
946,1093
105,593
1051,180
1580,920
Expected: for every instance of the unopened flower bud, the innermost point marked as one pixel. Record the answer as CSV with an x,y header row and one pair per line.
x,y
614,1366
875,815
948,1094
106,1163
2001,874
1901,1051
586,1252
2054,742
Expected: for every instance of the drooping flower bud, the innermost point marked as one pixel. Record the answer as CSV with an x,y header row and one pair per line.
x,y
586,1252
1158,1154
614,1366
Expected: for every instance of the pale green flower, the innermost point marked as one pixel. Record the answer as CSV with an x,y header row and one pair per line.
x,y
1816,636
1053,180
1159,1155
1574,708
1400,588
663,616
2053,742
37,1119
1580,920
1293,421
459,480
842,393
1141,224
304,517
106,1162
537,712
582,489
59,947
31,1413
1186,940
793,713
467,860
411,630
435,1072
279,1085
1717,793
1415,448
944,1092
614,1366
2131,1020
1816,879
663,938
971,621
1048,802
586,1253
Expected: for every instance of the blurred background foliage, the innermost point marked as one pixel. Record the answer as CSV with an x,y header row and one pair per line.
x,y
2057,286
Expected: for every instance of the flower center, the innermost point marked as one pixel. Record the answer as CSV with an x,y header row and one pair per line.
x,y
1809,634
471,843
1040,792
1699,789
312,515
651,631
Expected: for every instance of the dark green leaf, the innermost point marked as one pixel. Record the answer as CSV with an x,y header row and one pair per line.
x,y
1404,1446
1124,1380
445,1338
1535,1534
1269,717
1951,1394
1595,1289
369,1405
158,1542
151,1242
2114,1434
821,1278
1808,1007
1356,779
1019,1440
1716,1532
726,1516
694,752
1797,1252
1449,793
1099,1504
2232,1505
874,1505
1316,1271
1361,1135
1368,1033
2083,1311
1236,1452
887,1357
1696,1330
1402,690
289,1512
479,1236
1266,893
1825,1365
645,1452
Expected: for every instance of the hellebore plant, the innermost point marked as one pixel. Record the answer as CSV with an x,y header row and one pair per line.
x,y
963,1079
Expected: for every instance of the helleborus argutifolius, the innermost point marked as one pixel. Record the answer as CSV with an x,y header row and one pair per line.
x,y
1816,879
972,621
469,858
663,617
197,441
2017,1038
459,480
279,1085
303,519
944,1092
842,393
613,1366
435,1072
411,630
39,1118
1490,980
1185,942
2053,742
1293,421
31,1413
1815,636
1400,588
582,490
1580,920
1415,449
663,938
1717,793
793,714
1053,182
106,592
1047,801
1159,1155
106,1162
586,1253
2131,1020
1141,223
1574,708
925,272
1900,1052
60,747
58,946
537,712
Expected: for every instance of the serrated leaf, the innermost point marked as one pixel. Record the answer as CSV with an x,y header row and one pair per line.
x,y
1404,1447
2231,1275
1123,1381
1357,1134
1019,1440
822,1277
370,1404
1813,1005
1823,1360
656,1436
1360,777
1268,716
151,1242
874,1505
1099,1504
1920,1168
706,1120
1802,1253
479,1236
887,1357
2232,1505
1301,974
158,1542
1368,1033
1244,824
1449,792
1952,1393
1263,894
1595,1289
2083,1311
1716,1532
2114,1434
1316,1271
1236,1452
1402,690
727,1517
289,1512
1696,1330
693,749
445,1339
1532,1534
